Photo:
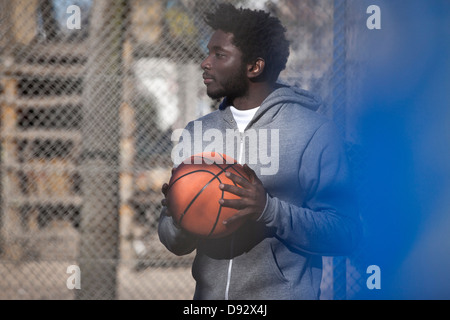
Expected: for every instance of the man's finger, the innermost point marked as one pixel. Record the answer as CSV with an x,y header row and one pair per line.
x,y
237,217
237,179
164,189
233,203
251,173
233,189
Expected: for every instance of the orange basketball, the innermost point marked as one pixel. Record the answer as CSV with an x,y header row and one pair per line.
x,y
193,194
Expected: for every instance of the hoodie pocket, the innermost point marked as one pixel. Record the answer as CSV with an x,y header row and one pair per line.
x,y
275,265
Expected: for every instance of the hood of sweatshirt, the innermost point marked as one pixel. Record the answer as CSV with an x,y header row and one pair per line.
x,y
296,95
279,97
286,94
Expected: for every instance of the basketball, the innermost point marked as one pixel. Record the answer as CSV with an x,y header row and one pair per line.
x,y
193,195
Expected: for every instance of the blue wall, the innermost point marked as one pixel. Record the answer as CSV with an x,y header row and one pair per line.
x,y
405,133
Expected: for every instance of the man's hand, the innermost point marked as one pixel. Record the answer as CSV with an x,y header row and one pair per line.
x,y
164,190
252,195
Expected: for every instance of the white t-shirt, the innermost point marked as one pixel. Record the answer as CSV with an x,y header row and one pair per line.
x,y
243,117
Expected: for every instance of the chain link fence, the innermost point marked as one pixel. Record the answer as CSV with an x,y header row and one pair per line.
x,y
90,92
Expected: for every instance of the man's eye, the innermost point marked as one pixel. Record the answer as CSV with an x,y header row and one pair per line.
x,y
220,55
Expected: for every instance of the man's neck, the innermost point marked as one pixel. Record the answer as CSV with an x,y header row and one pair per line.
x,y
254,97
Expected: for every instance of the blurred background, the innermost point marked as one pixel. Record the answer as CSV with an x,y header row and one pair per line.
x,y
90,92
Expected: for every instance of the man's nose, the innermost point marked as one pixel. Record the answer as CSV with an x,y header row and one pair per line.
x,y
206,65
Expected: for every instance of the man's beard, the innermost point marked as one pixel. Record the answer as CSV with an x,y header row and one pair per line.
x,y
233,87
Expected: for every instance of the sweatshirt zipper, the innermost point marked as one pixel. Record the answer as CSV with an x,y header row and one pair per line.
x,y
230,262
230,265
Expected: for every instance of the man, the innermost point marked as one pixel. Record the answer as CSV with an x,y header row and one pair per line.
x,y
293,214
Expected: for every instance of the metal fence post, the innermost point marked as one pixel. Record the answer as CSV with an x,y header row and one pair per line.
x,y
102,96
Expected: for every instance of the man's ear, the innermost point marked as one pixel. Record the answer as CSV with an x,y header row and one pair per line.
x,y
255,69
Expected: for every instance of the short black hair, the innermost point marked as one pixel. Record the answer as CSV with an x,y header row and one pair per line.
x,y
256,33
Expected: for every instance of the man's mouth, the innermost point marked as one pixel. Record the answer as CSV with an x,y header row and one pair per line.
x,y
207,79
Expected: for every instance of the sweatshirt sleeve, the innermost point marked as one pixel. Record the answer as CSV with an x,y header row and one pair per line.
x,y
175,239
327,223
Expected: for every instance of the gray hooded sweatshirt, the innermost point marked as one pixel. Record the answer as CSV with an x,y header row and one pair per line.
x,y
299,156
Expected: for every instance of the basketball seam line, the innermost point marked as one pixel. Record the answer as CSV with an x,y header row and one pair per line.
x,y
216,176
196,196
